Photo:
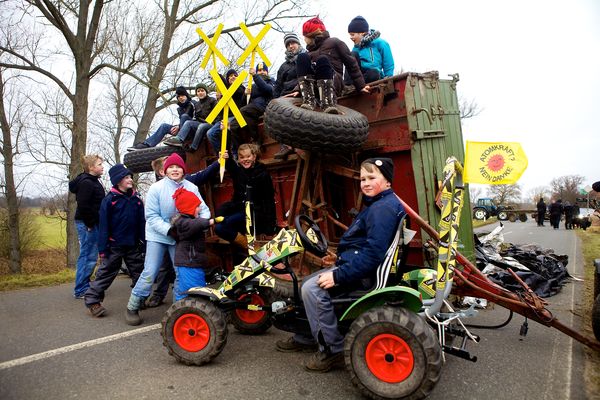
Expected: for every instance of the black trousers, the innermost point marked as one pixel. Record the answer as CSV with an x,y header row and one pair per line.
x,y
251,114
321,69
133,256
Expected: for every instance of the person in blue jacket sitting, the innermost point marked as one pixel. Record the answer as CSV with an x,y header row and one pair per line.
x,y
361,250
373,53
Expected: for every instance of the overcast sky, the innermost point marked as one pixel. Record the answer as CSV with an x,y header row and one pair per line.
x,y
532,66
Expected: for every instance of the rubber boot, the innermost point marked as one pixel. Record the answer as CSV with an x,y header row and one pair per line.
x,y
241,241
307,88
327,95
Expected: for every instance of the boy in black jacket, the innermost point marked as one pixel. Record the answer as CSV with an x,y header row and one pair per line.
x,y
121,237
89,193
190,250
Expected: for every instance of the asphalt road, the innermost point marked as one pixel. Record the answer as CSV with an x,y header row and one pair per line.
x,y
52,349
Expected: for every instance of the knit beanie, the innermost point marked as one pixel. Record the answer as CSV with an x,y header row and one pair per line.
x,y
174,159
229,73
290,37
201,86
312,25
596,186
186,201
181,91
385,165
263,66
358,25
117,173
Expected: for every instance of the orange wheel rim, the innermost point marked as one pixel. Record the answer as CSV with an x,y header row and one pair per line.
x,y
191,332
248,316
389,358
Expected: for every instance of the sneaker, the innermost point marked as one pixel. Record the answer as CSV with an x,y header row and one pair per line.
x,y
97,310
174,141
79,296
283,152
322,361
289,345
188,148
154,301
139,146
132,317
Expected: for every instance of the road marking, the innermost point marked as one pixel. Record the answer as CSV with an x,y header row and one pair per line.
x,y
51,353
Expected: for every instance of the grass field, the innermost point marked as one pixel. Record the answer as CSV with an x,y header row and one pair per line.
x,y
590,246
52,232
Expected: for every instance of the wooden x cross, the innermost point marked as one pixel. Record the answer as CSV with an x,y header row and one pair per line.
x,y
212,47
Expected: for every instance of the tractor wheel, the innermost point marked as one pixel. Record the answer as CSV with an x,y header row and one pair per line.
x,y
315,131
392,353
512,217
253,322
502,215
141,160
480,214
523,217
194,331
596,317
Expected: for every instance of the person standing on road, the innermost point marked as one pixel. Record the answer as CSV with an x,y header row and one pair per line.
x,y
160,235
556,211
541,211
89,193
361,250
568,211
120,237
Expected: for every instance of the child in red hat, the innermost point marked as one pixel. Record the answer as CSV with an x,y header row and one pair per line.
x,y
191,261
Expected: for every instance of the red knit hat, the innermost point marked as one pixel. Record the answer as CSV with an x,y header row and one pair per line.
x,y
186,201
312,25
174,159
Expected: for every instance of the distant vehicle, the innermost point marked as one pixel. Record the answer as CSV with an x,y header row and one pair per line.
x,y
583,220
486,208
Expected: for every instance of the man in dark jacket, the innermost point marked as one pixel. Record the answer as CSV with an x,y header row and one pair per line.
x,y
202,108
185,110
89,193
556,210
541,211
568,211
260,95
120,237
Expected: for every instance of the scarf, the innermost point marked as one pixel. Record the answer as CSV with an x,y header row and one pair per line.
x,y
291,57
368,38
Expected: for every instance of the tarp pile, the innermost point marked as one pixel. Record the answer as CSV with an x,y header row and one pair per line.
x,y
542,270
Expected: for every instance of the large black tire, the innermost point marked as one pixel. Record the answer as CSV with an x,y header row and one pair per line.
x,y
140,160
315,131
194,331
596,318
253,322
392,353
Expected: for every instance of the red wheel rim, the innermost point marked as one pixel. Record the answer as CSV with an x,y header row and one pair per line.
x,y
389,358
248,316
191,332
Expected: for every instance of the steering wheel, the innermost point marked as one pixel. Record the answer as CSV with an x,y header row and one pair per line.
x,y
311,236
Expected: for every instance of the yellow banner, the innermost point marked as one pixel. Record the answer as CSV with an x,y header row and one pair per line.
x,y
494,163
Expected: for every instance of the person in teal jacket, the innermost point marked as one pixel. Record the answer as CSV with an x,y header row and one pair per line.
x,y
373,53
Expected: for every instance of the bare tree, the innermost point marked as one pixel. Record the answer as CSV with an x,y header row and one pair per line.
x,y
505,194
468,108
538,192
9,188
566,187
475,192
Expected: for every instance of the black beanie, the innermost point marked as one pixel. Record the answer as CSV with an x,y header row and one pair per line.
x,y
596,186
181,91
358,25
117,173
229,73
385,165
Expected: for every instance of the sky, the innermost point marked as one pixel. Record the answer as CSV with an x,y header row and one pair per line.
x,y
533,67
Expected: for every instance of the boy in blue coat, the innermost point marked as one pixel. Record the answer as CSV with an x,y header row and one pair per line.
x,y
120,237
373,53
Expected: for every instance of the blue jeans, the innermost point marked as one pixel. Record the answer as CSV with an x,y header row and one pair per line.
x,y
163,130
320,315
186,128
200,133
214,136
88,255
155,252
189,278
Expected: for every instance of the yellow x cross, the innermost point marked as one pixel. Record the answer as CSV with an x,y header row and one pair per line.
x,y
212,47
227,97
253,46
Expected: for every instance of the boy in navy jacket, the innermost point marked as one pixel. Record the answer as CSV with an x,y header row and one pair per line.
x,y
120,237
